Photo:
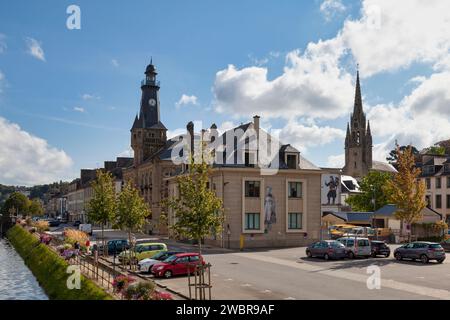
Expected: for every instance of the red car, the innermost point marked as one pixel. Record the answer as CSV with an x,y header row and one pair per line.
x,y
177,265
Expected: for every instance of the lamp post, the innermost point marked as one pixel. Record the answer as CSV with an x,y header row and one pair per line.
x,y
374,210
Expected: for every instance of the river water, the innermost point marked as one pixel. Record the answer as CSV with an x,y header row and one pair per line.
x,y
16,280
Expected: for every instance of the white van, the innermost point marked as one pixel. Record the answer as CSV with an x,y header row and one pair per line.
x,y
356,246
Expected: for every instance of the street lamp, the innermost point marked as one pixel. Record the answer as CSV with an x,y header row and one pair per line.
x,y
374,210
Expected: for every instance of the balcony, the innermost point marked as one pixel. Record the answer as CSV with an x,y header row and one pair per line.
x,y
147,82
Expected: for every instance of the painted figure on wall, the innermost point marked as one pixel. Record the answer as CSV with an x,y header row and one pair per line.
x,y
332,185
270,216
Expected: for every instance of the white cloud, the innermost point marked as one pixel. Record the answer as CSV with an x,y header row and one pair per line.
x,y
35,49
336,161
128,153
79,109
27,160
394,34
187,100
88,96
421,118
3,45
312,85
330,8
304,136
115,62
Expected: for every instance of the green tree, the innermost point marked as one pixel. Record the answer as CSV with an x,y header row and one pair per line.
x,y
393,154
371,187
435,150
35,207
406,190
132,211
102,206
198,212
17,203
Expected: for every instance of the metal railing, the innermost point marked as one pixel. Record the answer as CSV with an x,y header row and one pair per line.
x,y
146,82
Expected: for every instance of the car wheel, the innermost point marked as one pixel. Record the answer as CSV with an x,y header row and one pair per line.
x,y
167,274
424,258
398,256
374,255
308,254
440,260
351,255
326,256
386,255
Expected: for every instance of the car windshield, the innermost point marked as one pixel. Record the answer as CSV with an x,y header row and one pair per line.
x,y
171,259
363,243
158,255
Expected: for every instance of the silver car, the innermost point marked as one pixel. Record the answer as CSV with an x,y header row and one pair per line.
x,y
356,247
423,251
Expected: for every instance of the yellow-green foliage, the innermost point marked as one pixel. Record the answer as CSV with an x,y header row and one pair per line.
x,y
50,269
41,226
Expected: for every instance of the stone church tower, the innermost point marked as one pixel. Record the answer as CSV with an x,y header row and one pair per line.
x,y
148,134
358,142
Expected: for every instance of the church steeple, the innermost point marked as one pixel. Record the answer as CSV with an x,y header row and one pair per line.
x,y
358,107
358,140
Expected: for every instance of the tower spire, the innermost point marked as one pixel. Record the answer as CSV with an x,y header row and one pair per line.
x,y
358,109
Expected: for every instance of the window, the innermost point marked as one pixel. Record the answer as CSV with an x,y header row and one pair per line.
x,y
295,221
252,189
448,182
295,190
448,201
438,201
428,183
250,159
428,200
447,167
428,169
438,183
291,160
252,221
194,258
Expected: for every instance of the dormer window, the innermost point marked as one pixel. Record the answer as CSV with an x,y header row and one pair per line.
x,y
428,170
250,159
292,161
447,167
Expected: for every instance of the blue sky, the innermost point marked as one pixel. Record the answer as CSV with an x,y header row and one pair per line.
x,y
81,95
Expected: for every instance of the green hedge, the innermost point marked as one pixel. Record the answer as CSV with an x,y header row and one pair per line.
x,y
50,269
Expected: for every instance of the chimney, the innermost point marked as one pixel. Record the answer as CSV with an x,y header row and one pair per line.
x,y
256,123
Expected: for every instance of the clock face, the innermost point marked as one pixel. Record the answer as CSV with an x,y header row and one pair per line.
x,y
152,102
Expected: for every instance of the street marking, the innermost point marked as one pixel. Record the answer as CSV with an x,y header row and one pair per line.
x,y
266,291
289,298
392,284
246,285
229,279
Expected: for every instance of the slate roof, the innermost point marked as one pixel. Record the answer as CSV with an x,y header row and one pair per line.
x,y
351,216
390,209
383,167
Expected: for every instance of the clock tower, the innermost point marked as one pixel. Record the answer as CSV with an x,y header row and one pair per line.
x,y
148,134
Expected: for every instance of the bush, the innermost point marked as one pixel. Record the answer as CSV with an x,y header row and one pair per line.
x,y
143,290
121,283
41,226
72,236
50,270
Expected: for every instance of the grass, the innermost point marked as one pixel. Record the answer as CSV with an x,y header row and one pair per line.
x,y
50,269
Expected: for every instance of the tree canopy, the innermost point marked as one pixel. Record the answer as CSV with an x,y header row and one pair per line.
x,y
371,187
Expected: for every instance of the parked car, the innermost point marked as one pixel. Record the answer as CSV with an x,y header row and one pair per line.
x,y
330,249
361,232
423,251
144,240
117,245
446,245
142,251
178,264
77,223
53,223
146,265
380,248
356,247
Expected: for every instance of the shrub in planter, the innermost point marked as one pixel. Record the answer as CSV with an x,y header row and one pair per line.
x,y
121,282
32,230
41,226
72,236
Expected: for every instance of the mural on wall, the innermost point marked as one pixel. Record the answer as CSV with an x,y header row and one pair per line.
x,y
270,216
331,191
